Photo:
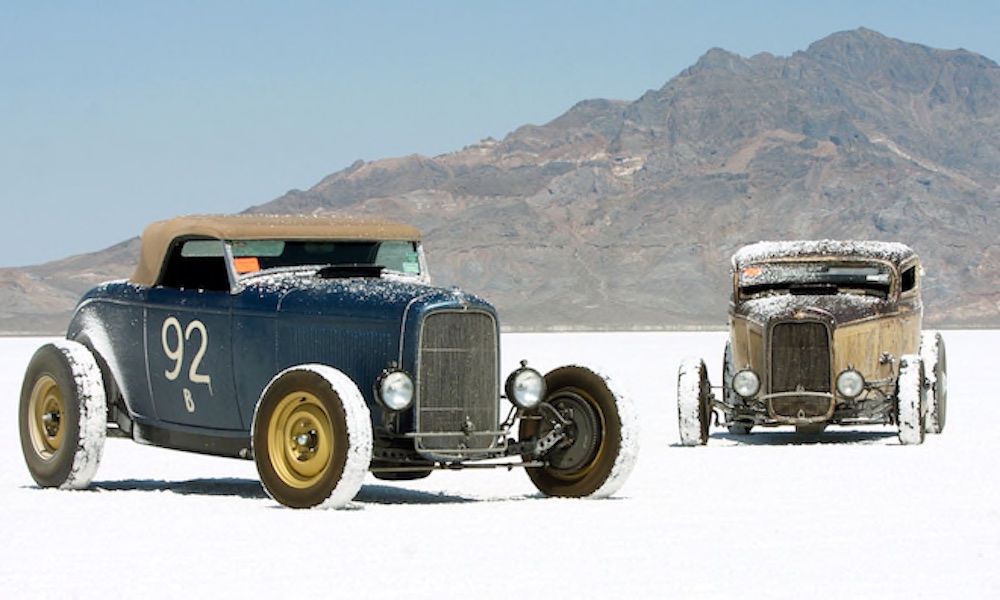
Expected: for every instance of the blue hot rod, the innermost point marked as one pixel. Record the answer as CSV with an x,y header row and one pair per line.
x,y
317,347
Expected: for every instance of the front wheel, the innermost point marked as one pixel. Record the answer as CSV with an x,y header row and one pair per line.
x,y
63,415
932,353
911,400
600,436
312,438
694,396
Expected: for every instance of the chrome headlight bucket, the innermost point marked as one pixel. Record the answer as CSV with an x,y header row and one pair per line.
x,y
746,383
394,390
850,383
525,387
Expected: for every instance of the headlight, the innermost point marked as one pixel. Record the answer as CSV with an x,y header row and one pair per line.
x,y
746,383
525,387
850,383
395,390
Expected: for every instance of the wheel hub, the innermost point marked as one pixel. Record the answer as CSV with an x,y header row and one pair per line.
x,y
304,443
302,439
582,434
46,407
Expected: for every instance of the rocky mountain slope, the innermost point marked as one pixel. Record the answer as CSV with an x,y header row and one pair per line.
x,y
623,214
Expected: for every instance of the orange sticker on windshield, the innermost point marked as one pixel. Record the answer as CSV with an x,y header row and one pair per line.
x,y
246,264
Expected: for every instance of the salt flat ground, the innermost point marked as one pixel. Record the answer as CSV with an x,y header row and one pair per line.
x,y
851,514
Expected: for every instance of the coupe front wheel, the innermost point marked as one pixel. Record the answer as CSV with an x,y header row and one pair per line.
x,y
694,396
312,438
911,400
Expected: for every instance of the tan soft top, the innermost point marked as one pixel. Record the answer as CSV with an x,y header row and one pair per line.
x,y
158,236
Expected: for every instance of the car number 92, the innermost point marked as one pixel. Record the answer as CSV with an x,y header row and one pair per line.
x,y
174,338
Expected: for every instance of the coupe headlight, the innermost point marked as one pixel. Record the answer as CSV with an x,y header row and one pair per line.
x,y
525,387
746,383
850,383
395,390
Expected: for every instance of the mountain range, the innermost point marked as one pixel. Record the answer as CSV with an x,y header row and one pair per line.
x,y
622,214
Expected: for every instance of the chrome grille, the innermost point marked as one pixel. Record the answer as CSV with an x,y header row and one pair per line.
x,y
800,360
457,381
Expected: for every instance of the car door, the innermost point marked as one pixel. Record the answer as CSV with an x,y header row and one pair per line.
x,y
189,357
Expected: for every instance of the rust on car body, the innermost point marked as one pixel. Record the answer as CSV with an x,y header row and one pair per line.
x,y
807,315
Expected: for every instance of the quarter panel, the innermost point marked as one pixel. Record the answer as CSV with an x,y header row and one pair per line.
x,y
109,320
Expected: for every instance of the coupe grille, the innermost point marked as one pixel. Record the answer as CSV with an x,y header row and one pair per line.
x,y
457,381
800,360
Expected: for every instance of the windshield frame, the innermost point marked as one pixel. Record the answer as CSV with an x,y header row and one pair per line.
x,y
850,279
240,275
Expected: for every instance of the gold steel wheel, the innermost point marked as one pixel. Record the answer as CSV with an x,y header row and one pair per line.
x,y
300,440
62,415
46,408
312,437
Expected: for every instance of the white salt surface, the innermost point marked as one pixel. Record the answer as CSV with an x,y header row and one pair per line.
x,y
851,514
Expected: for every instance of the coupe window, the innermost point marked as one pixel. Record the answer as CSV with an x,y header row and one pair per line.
x,y
251,256
873,279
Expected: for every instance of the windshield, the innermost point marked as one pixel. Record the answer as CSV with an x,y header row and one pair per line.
x,y
873,279
252,256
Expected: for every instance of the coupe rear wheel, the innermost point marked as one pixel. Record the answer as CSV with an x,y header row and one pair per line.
x,y
312,438
932,352
694,395
62,416
601,439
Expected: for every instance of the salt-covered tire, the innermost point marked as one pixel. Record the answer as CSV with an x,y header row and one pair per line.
x,y
312,438
911,400
63,416
603,442
730,397
932,353
693,402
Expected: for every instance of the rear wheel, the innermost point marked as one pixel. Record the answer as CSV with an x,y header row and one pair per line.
x,y
693,402
911,400
312,438
600,442
932,352
63,416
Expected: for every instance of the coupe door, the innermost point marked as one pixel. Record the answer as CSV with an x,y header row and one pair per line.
x,y
189,358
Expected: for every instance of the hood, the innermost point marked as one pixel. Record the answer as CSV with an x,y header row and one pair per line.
x,y
839,308
358,297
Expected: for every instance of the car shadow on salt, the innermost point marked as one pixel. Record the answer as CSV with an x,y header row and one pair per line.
x,y
243,488
791,438
252,489
385,494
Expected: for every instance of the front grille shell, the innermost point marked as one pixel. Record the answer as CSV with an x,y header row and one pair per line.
x,y
457,377
800,377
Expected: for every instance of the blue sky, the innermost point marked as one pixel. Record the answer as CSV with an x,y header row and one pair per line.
x,y
114,114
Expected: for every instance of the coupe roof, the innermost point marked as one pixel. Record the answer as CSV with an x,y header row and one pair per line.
x,y
893,252
158,236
